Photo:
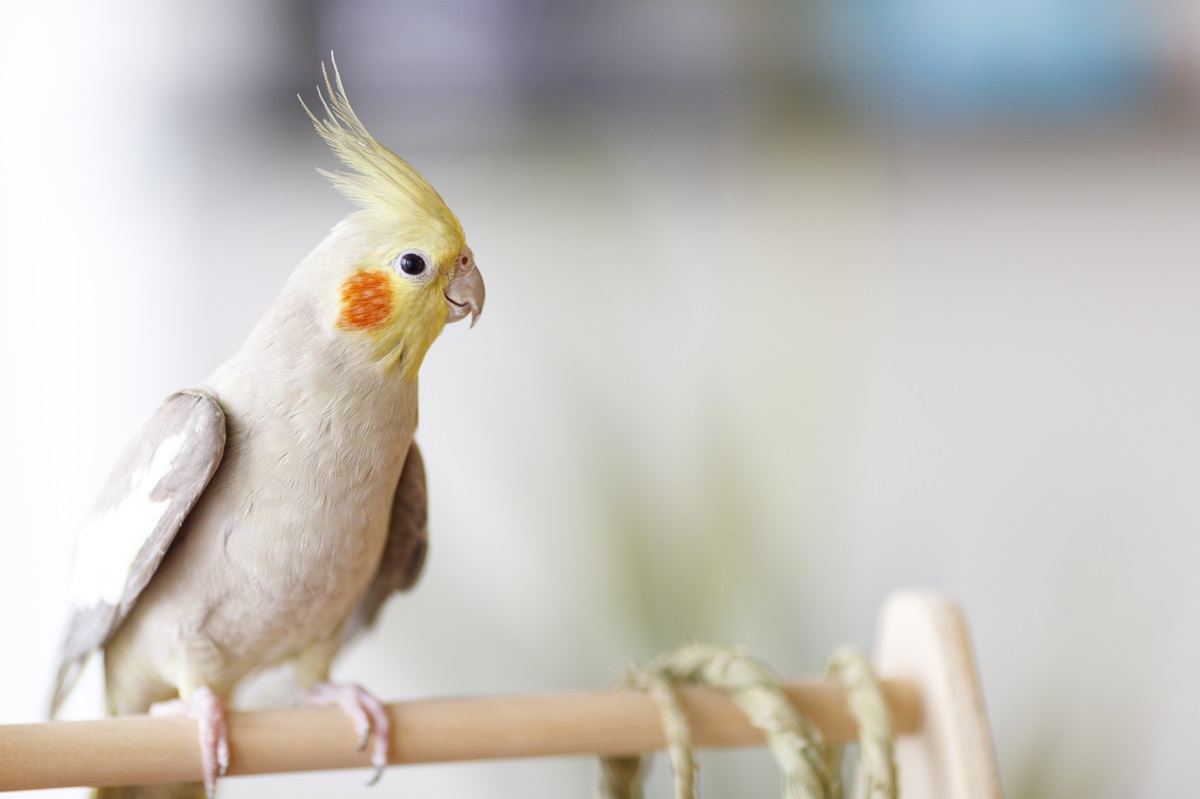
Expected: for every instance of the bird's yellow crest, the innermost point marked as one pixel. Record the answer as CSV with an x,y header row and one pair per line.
x,y
381,182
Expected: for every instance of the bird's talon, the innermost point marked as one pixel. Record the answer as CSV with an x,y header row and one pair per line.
x,y
370,719
208,711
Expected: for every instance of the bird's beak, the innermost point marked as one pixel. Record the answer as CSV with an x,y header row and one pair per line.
x,y
464,294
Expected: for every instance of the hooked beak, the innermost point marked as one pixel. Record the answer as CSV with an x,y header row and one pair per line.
x,y
464,294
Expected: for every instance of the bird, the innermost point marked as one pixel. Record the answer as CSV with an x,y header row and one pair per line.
x,y
265,515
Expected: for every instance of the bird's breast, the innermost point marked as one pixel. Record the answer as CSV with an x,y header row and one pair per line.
x,y
289,534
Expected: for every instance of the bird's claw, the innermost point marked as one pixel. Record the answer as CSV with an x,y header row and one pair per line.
x,y
370,719
209,711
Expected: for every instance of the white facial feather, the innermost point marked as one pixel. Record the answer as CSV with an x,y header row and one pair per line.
x,y
110,542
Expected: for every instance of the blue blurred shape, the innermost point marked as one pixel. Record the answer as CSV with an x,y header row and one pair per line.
x,y
987,58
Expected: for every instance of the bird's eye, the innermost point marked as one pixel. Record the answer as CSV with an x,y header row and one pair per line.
x,y
411,264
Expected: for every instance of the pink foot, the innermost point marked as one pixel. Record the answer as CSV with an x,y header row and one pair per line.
x,y
371,721
208,710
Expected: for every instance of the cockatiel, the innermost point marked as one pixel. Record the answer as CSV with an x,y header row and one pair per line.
x,y
266,516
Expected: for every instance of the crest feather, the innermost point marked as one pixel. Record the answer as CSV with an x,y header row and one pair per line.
x,y
380,180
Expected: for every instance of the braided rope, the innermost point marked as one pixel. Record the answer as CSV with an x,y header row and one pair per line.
x,y
810,769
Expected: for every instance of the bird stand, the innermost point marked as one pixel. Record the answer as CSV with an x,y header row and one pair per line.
x,y
943,748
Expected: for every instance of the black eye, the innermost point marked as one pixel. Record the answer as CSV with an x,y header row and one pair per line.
x,y
411,263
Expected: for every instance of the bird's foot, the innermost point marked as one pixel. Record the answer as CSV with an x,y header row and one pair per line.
x,y
208,710
371,721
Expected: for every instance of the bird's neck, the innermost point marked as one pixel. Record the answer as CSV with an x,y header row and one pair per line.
x,y
291,355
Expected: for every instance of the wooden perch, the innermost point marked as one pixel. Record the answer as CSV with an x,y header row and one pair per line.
x,y
923,653
144,750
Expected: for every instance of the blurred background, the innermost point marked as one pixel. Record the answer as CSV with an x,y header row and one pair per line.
x,y
790,304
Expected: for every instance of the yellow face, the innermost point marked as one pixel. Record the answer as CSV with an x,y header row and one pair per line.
x,y
402,299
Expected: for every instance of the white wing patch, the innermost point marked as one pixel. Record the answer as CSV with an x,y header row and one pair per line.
x,y
110,541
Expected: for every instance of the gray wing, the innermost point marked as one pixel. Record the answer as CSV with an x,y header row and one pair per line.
x,y
154,486
408,541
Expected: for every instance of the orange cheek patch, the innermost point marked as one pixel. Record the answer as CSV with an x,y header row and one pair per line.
x,y
366,300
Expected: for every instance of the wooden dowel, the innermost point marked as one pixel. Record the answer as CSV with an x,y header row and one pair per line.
x,y
140,750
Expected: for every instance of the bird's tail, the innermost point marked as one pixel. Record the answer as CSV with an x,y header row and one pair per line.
x,y
176,790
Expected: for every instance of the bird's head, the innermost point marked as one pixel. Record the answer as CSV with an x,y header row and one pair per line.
x,y
404,269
